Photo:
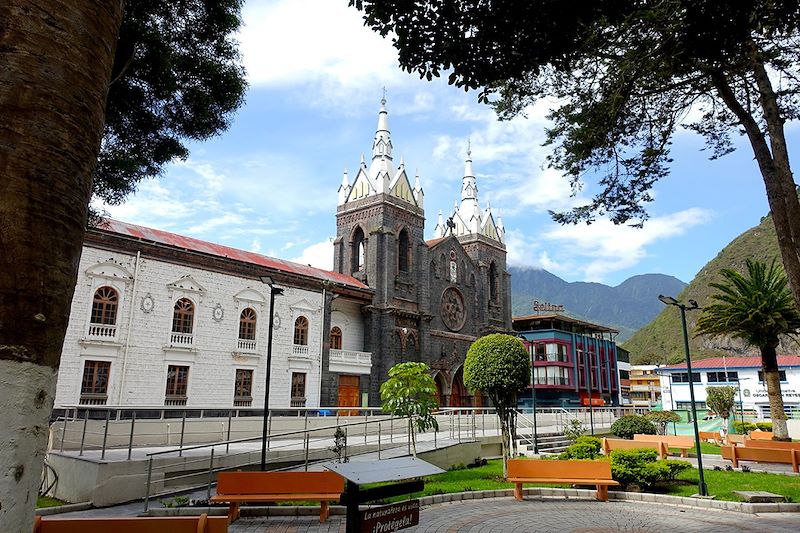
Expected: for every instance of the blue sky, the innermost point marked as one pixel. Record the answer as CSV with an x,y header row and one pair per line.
x,y
269,184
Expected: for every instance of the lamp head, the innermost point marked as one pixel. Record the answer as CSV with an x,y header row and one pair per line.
x,y
266,280
669,300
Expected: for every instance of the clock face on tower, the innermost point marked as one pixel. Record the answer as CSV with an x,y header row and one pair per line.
x,y
452,309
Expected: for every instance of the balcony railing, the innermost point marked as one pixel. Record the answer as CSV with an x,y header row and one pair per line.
x,y
102,331
93,399
181,339
351,357
246,345
242,401
645,388
297,402
300,350
175,400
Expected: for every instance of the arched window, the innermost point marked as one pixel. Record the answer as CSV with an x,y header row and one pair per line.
x,y
493,282
357,250
336,338
404,251
301,331
104,306
247,324
183,316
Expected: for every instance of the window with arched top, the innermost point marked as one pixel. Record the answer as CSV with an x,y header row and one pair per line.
x,y
247,324
301,331
493,282
336,338
104,306
404,251
183,316
357,250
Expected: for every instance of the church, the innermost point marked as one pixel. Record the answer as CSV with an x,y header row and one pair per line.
x,y
160,319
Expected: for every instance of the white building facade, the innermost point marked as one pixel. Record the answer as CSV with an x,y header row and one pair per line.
x,y
163,319
744,372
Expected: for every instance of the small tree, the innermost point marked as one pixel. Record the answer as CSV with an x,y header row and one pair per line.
x,y
498,365
410,392
721,400
629,425
661,419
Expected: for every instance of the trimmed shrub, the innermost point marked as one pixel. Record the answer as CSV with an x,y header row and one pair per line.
x,y
744,427
643,468
584,448
676,467
661,419
764,426
627,426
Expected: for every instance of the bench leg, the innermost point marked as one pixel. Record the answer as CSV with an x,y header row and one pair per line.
x,y
518,491
233,512
602,493
324,511
684,452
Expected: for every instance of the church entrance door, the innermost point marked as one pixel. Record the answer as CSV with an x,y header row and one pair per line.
x,y
349,394
457,391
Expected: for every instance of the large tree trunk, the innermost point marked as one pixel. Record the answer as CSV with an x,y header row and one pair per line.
x,y
769,364
56,58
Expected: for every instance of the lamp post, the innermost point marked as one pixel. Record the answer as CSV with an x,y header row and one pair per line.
x,y
589,389
683,307
273,292
533,402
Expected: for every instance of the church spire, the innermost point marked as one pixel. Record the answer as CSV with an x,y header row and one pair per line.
x,y
382,145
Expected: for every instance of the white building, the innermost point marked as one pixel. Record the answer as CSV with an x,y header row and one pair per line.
x,y
733,371
164,319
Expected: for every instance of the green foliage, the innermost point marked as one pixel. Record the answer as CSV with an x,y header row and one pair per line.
x,y
721,400
743,427
643,468
497,365
410,392
661,419
629,425
574,430
340,445
177,75
584,447
675,468
177,501
764,426
757,308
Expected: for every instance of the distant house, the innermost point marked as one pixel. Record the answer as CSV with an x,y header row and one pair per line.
x,y
575,362
742,372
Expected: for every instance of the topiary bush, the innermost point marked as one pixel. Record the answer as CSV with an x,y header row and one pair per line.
x,y
661,419
584,447
627,426
764,426
744,427
642,467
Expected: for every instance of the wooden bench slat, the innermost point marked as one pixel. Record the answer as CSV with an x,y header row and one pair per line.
x,y
762,455
623,444
171,524
571,481
274,497
596,473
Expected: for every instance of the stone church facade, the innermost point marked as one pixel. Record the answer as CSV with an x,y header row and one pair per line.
x,y
164,319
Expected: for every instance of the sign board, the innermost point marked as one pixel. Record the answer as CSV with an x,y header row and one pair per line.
x,y
547,307
390,517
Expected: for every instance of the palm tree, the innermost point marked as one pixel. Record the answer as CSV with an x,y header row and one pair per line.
x,y
758,309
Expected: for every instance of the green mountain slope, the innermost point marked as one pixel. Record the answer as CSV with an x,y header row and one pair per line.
x,y
661,340
626,307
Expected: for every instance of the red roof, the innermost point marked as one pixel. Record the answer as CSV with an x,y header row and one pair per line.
x,y
737,362
196,245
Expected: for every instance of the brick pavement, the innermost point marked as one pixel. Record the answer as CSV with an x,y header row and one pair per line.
x,y
552,515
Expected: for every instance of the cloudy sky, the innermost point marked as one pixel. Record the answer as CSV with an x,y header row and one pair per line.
x,y
269,184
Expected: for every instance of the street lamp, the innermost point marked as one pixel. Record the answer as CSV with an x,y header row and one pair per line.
x,y
273,292
533,402
669,300
589,390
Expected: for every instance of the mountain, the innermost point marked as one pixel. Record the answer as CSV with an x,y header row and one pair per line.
x,y
661,341
627,307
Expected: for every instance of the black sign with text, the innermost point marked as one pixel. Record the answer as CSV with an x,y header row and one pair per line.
x,y
389,518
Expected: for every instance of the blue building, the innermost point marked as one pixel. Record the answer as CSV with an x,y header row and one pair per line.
x,y
575,362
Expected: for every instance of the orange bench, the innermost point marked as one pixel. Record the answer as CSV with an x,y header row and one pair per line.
x,y
711,436
172,524
736,439
761,435
683,442
625,444
774,444
239,487
576,472
761,455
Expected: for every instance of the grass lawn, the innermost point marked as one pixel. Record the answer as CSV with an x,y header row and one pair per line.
x,y
720,483
707,447
47,501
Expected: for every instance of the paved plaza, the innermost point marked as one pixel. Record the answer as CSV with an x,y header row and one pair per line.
x,y
546,515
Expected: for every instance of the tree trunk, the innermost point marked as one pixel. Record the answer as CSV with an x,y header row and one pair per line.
x,y
501,413
769,364
56,58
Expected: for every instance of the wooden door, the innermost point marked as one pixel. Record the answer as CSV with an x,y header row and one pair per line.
x,y
349,394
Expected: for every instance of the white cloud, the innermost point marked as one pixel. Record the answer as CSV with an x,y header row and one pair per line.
x,y
319,255
602,247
